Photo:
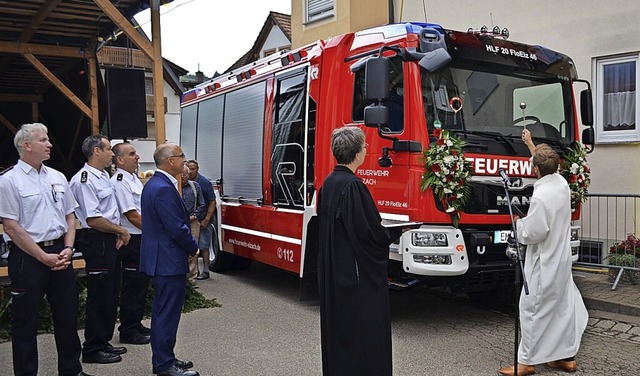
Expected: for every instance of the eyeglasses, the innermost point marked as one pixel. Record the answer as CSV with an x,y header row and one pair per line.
x,y
177,156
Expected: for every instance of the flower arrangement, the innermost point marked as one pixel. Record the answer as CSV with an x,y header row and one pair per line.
x,y
447,173
574,168
625,254
629,246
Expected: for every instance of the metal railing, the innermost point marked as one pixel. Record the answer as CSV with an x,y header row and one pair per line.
x,y
607,220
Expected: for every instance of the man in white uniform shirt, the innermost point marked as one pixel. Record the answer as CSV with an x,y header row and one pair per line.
x,y
37,214
100,239
133,290
553,315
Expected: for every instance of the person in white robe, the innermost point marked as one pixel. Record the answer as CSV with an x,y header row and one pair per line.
x,y
553,316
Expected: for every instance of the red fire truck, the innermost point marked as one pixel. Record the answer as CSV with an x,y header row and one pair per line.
x,y
263,134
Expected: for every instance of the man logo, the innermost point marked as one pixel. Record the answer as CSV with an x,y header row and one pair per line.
x,y
515,182
515,200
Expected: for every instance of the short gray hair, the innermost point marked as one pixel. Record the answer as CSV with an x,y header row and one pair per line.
x,y
92,141
25,134
163,153
346,142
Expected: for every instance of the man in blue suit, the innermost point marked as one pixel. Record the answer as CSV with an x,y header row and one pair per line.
x,y
166,244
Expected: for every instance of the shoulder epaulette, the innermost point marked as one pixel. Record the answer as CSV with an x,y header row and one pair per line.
x,y
119,177
6,170
83,177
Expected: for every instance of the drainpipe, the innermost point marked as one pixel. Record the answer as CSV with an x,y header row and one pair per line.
x,y
391,14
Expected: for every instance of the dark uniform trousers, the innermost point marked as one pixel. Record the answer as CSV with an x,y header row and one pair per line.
x,y
133,291
30,282
99,251
169,294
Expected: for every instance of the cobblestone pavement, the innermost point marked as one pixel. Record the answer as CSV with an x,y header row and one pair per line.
x,y
612,328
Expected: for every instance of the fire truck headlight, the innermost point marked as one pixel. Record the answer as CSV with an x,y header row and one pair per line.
x,y
432,259
429,239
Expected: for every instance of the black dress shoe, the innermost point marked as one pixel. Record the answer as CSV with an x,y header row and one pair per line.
x,y
83,374
179,363
177,371
184,364
135,338
143,330
115,349
101,357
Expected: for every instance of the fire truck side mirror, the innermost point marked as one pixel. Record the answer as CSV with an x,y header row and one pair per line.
x,y
376,115
586,107
376,79
588,137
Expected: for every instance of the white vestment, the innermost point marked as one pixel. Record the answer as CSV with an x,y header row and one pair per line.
x,y
553,316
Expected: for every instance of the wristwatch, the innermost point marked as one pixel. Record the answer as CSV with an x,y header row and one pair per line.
x,y
70,247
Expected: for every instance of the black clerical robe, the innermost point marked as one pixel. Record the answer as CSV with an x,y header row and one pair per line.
x,y
355,319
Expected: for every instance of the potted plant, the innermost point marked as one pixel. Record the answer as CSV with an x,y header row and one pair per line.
x,y
625,254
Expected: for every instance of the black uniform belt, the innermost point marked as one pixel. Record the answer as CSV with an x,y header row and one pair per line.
x,y
46,243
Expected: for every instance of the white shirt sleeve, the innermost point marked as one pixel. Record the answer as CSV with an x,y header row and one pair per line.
x,y
9,204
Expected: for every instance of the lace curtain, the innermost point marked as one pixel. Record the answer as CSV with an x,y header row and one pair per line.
x,y
619,106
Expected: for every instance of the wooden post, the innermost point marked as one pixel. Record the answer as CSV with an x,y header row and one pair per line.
x,y
34,112
93,87
158,83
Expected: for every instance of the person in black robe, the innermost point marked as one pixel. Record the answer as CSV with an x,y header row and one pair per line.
x,y
355,318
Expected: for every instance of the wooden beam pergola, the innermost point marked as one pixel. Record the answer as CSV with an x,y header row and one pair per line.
x,y
43,25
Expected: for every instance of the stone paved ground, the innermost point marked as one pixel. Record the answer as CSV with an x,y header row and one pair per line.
x,y
613,313
613,328
598,295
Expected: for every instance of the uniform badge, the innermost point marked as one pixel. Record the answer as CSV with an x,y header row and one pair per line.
x,y
119,178
83,177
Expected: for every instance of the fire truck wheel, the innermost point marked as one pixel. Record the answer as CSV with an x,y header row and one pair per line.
x,y
220,261
241,263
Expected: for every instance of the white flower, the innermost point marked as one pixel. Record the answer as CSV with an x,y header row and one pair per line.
x,y
451,209
574,168
449,143
448,191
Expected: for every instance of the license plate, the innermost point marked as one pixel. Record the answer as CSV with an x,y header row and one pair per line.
x,y
501,236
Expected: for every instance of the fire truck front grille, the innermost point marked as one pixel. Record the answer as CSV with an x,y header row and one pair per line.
x,y
491,199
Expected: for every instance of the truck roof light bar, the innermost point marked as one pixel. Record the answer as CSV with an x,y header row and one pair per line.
x,y
293,57
246,75
495,31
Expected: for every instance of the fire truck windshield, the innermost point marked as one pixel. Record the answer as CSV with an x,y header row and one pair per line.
x,y
490,109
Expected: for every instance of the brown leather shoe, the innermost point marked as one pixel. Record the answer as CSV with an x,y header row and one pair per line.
x,y
567,366
523,370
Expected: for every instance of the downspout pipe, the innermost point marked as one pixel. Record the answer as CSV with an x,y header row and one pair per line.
x,y
391,13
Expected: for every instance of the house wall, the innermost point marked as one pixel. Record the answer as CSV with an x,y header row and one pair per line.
x,y
349,15
276,40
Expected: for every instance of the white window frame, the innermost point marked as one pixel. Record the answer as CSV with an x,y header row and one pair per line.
x,y
315,10
617,136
